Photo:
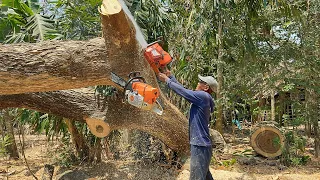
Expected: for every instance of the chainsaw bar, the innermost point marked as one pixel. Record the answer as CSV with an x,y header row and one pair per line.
x,y
118,80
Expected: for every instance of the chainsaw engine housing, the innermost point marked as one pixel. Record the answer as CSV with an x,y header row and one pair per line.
x,y
141,95
138,93
157,57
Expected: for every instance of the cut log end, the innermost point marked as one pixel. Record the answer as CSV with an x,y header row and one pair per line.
x,y
98,127
110,7
267,141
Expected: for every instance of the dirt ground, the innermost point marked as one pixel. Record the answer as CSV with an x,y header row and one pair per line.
x,y
39,152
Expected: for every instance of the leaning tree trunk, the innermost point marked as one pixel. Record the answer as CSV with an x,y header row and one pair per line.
x,y
77,139
53,65
219,122
79,104
12,147
62,65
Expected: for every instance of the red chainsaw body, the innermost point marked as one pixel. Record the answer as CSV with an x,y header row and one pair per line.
x,y
149,93
157,57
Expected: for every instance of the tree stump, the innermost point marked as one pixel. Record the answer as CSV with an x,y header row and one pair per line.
x,y
267,140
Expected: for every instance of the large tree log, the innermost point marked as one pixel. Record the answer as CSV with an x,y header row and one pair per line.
x,y
53,65
62,65
73,64
171,128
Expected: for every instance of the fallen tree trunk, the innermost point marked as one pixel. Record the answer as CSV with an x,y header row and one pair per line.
x,y
27,69
79,104
62,65
53,65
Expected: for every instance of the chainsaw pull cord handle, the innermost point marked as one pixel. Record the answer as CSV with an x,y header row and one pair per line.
x,y
130,80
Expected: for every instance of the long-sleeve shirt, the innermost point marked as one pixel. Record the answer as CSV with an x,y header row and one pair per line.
x,y
201,107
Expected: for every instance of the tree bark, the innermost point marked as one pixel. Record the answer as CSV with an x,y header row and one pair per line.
x,y
53,65
79,104
273,106
219,122
316,138
262,102
12,147
78,140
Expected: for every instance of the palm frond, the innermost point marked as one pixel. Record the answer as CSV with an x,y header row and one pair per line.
x,y
40,26
15,38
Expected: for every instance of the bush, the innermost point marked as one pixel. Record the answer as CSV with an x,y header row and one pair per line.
x,y
293,150
3,144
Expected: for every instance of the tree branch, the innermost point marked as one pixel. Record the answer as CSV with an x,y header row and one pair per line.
x,y
80,104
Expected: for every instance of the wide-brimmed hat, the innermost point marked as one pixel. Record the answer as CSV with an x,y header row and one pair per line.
x,y
211,81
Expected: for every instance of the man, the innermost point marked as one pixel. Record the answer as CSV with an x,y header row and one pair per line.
x,y
201,107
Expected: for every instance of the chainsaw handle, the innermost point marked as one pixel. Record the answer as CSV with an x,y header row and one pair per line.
x,y
134,74
130,80
158,41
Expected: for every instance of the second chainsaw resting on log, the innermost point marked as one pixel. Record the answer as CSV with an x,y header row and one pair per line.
x,y
138,93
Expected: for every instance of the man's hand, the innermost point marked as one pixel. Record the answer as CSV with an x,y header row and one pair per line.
x,y
162,77
167,73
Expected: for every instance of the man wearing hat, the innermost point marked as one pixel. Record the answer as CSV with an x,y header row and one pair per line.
x,y
202,106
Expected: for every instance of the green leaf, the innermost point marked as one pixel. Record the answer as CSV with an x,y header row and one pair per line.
x,y
16,38
18,5
39,26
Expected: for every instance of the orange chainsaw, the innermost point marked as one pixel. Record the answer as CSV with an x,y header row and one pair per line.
x,y
157,57
138,93
154,53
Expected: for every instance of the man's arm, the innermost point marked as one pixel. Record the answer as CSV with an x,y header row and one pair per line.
x,y
173,78
194,97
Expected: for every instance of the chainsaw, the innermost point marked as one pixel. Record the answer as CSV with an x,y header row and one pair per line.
x,y
157,57
138,93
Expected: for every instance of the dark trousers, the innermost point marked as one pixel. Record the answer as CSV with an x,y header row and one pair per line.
x,y
199,163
